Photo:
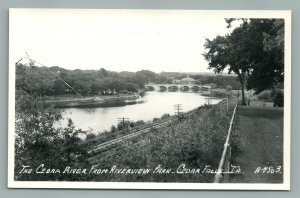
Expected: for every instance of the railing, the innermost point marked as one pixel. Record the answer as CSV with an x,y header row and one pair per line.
x,y
224,165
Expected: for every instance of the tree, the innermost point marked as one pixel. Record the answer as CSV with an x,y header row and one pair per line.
x,y
131,87
38,141
268,69
227,51
118,85
144,76
246,51
34,80
228,88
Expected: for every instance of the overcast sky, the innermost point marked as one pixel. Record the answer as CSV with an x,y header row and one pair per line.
x,y
117,40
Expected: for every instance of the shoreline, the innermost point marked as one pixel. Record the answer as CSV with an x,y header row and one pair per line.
x,y
93,101
107,100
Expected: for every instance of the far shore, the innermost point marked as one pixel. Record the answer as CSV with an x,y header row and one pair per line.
x,y
91,101
72,97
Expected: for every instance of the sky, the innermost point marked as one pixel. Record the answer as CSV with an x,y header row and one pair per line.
x,y
117,40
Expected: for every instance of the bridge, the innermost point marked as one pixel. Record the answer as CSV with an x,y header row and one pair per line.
x,y
176,87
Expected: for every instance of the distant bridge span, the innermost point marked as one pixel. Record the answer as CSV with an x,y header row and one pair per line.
x,y
175,87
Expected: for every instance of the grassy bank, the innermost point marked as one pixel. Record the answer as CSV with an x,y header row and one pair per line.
x,y
259,137
196,141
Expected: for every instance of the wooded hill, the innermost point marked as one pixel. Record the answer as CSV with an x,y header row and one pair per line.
x,y
51,81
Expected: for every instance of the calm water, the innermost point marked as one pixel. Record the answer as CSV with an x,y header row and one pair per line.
x,y
154,104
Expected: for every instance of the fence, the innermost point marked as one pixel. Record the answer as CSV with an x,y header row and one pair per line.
x,y
224,165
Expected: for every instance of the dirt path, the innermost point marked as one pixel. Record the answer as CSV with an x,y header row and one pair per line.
x,y
260,139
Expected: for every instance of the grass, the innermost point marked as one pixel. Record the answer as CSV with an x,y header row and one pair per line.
x,y
196,141
260,144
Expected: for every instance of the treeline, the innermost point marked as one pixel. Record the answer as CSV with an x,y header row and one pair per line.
x,y
44,81
58,81
220,81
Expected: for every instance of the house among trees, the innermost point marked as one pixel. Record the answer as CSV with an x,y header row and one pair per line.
x,y
186,80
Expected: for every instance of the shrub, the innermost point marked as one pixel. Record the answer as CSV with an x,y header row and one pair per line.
x,y
90,136
213,85
139,123
279,99
219,93
265,95
113,128
166,115
228,88
131,124
155,119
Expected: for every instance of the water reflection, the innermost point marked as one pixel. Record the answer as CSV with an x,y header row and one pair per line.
x,y
153,104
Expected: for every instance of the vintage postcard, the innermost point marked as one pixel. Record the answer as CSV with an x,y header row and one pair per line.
x,y
149,99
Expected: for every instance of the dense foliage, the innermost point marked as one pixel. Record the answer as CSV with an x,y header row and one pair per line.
x,y
197,140
38,141
53,81
253,51
194,142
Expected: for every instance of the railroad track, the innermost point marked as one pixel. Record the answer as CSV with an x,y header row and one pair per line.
x,y
96,149
109,149
104,145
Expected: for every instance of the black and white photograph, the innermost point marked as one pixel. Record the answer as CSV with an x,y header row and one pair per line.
x,y
149,99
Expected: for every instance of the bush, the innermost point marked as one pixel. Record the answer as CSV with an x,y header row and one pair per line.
x,y
219,93
166,115
90,136
228,88
113,128
273,95
265,96
155,119
279,99
139,123
213,85
194,142
131,124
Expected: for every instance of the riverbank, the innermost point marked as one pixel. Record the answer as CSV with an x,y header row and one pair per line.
x,y
71,101
152,105
91,101
218,93
194,139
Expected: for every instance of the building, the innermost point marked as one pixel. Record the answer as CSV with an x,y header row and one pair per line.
x,y
187,80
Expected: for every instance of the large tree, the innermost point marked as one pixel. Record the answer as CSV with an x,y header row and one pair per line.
x,y
268,69
228,52
249,52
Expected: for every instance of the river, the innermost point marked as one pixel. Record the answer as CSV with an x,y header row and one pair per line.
x,y
152,105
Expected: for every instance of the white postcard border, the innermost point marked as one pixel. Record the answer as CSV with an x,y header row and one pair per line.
x,y
285,14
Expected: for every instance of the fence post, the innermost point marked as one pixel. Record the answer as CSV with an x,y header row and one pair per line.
x,y
224,164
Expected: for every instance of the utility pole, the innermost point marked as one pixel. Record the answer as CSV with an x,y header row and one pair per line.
x,y
123,121
226,105
208,101
178,109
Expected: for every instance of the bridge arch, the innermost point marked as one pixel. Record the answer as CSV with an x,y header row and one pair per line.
x,y
185,88
195,88
162,88
173,88
150,88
